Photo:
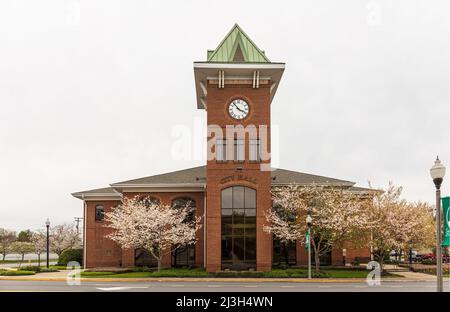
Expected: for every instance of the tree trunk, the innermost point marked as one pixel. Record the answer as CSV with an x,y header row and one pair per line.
x,y
39,259
20,263
317,260
159,264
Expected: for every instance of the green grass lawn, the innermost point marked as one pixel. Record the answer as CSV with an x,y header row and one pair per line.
x,y
200,272
15,273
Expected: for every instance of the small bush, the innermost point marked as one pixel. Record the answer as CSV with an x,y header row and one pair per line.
x,y
355,263
37,269
71,255
428,261
15,273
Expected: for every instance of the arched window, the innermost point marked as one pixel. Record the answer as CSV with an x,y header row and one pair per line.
x,y
99,212
238,228
149,200
184,256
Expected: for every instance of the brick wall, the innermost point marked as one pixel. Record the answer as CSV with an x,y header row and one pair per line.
x,y
218,174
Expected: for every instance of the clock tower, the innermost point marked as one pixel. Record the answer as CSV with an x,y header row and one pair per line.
x,y
236,85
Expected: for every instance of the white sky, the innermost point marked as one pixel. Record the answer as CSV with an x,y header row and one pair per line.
x,y
91,90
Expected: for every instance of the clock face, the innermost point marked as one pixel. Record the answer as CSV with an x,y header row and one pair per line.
x,y
238,109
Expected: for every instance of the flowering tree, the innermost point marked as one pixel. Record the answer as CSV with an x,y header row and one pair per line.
x,y
399,225
337,215
22,248
39,241
64,237
6,239
421,229
152,226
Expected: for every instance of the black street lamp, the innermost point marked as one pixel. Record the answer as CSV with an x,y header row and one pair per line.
x,y
308,223
437,174
47,224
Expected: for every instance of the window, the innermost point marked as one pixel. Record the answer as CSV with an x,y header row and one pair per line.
x,y
284,253
148,200
239,150
99,213
184,255
221,150
255,150
238,228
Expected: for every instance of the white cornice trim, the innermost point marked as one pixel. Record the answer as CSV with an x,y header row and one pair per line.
x,y
155,185
239,65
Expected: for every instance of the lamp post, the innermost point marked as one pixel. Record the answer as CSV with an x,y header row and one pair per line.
x,y
47,224
437,174
308,223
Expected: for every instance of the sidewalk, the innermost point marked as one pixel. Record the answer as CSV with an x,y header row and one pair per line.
x,y
62,275
25,263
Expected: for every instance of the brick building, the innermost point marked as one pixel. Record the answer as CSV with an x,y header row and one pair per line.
x,y
235,87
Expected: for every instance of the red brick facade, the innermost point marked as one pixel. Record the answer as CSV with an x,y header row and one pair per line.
x,y
223,175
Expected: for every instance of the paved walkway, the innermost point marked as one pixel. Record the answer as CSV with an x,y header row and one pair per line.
x,y
25,263
62,275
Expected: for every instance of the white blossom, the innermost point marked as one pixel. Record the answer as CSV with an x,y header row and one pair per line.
x,y
155,227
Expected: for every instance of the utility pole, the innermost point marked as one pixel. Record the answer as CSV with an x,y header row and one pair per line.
x,y
78,220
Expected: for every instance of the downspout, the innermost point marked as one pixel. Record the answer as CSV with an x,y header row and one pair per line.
x,y
204,228
84,231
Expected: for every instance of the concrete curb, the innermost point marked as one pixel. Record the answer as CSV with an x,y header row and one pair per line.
x,y
206,279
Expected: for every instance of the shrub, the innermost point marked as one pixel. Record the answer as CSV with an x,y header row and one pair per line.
x,y
355,262
239,274
15,273
71,255
37,269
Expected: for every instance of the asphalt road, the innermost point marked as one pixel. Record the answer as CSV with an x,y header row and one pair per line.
x,y
39,286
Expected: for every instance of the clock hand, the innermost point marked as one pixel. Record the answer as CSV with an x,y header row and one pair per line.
x,y
235,105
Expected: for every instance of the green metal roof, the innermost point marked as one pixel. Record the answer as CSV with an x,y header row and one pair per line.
x,y
237,47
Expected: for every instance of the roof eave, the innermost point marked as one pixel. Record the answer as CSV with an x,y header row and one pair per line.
x,y
202,70
97,196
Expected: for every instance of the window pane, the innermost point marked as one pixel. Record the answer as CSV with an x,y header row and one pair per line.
x,y
227,248
255,150
238,249
238,222
239,150
150,201
227,198
220,150
229,148
184,202
227,212
99,213
250,248
238,197
227,223
250,198
250,212
250,225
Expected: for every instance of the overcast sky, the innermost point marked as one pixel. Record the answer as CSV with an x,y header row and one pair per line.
x,y
90,92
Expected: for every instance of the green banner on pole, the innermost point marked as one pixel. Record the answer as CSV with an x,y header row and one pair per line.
x,y
446,211
307,240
